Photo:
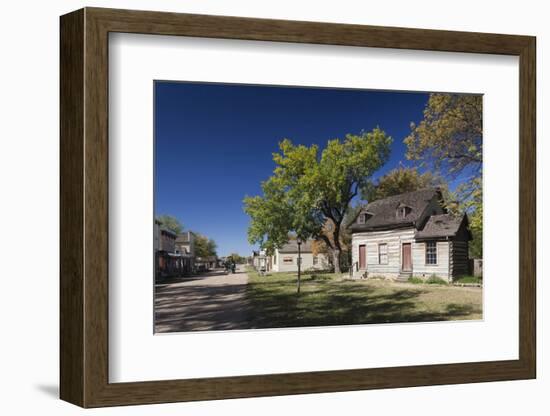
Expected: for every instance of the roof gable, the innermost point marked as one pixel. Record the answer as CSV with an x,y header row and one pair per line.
x,y
292,247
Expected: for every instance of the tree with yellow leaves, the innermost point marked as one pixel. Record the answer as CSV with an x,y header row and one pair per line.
x,y
449,140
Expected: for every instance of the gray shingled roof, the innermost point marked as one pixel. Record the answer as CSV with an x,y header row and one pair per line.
x,y
384,211
443,225
292,247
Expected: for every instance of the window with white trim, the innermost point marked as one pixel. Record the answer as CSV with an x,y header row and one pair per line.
x,y
431,252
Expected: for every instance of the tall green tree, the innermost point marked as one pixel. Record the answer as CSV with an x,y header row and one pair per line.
x,y
204,246
212,247
273,216
171,222
310,187
236,258
398,181
449,139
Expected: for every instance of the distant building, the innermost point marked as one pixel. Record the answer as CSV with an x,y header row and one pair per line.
x,y
255,259
261,261
285,259
206,263
185,243
167,240
168,261
185,246
156,237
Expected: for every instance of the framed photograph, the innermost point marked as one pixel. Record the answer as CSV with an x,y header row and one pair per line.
x,y
255,207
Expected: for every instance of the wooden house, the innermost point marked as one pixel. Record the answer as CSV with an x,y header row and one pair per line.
x,y
285,259
407,235
168,263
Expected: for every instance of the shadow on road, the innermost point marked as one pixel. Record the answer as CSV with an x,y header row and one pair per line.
x,y
213,301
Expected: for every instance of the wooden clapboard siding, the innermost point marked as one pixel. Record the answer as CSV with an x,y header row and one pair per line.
x,y
421,269
307,262
459,258
393,238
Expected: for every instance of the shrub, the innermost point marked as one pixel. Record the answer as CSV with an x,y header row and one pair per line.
x,y
415,280
435,280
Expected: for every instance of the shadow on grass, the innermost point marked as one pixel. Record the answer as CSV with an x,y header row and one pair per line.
x,y
276,304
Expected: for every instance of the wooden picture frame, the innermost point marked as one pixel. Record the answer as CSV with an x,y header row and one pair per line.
x,y
84,207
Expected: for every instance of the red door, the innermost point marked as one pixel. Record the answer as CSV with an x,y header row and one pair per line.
x,y
407,258
362,256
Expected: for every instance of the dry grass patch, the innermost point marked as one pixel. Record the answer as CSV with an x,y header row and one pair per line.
x,y
329,300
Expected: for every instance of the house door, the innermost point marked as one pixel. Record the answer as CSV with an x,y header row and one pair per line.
x,y
407,258
362,257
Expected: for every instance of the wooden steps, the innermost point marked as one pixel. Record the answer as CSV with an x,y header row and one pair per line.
x,y
404,276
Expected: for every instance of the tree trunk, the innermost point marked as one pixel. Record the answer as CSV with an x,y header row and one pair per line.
x,y
337,249
336,259
299,267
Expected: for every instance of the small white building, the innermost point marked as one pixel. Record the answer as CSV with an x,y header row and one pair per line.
x,y
261,261
409,235
285,259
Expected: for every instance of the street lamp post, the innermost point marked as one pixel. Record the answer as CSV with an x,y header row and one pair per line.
x,y
299,241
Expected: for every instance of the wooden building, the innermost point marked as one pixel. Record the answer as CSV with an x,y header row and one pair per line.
x,y
168,262
285,259
410,235
204,264
261,261
185,247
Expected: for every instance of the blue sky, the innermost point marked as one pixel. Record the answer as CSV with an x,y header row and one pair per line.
x,y
214,143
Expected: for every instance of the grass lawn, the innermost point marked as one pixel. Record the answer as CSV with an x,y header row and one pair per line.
x,y
326,299
469,279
